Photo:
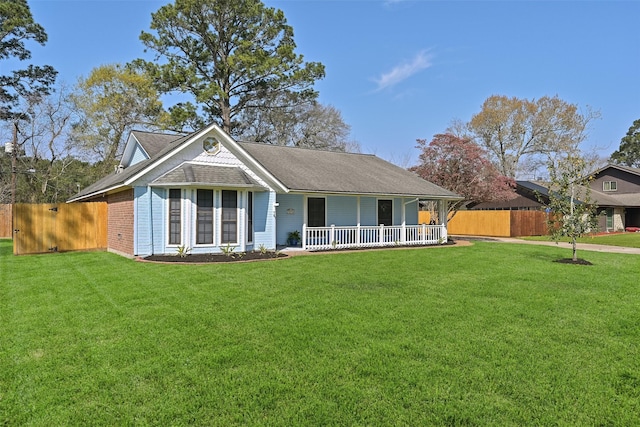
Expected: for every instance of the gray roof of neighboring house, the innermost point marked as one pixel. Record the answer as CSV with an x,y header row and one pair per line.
x,y
306,170
189,173
154,143
630,200
601,199
628,169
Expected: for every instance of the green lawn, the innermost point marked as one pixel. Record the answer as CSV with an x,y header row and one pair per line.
x,y
630,240
488,334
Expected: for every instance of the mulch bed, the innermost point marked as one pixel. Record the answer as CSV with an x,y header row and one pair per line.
x,y
579,261
208,258
258,256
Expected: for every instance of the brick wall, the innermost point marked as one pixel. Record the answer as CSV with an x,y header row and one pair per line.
x,y
120,222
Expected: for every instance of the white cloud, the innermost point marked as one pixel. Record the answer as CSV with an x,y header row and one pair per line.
x,y
403,71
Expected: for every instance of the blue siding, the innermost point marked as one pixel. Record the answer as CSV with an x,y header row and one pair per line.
x,y
140,220
368,211
150,233
159,220
288,222
411,213
397,212
342,210
263,219
269,229
137,156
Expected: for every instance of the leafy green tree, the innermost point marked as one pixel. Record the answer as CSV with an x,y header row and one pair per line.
x,y
110,102
512,129
228,55
629,152
16,27
572,211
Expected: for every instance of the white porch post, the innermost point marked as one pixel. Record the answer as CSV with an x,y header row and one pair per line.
x,y
403,236
304,236
358,221
443,215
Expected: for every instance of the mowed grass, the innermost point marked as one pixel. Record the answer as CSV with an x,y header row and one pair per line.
x,y
488,334
629,240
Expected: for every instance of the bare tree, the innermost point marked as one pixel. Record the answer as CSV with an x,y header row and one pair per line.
x,y
309,125
513,129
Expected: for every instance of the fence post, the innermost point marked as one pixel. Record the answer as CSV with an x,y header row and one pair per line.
x,y
332,236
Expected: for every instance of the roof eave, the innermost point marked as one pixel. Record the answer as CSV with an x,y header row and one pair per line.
x,y
206,184
96,193
376,194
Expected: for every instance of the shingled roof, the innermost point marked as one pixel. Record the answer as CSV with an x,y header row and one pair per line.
x,y
221,176
295,169
154,143
306,170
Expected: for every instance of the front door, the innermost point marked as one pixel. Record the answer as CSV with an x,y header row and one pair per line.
x,y
316,212
385,212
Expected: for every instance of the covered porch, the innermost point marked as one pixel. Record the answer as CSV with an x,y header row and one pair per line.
x,y
326,222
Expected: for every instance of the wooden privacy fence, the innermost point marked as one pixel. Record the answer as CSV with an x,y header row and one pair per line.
x,y
5,222
59,227
497,223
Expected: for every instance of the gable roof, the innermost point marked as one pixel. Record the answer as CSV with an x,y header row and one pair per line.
x,y
628,169
153,143
116,180
598,197
291,168
307,170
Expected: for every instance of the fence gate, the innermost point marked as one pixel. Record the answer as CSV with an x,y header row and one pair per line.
x,y
61,227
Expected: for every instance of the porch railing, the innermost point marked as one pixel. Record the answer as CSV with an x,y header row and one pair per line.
x,y
333,237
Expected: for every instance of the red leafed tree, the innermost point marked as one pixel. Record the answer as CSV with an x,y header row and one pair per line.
x,y
460,165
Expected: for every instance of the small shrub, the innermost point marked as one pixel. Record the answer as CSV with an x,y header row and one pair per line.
x,y
183,251
228,250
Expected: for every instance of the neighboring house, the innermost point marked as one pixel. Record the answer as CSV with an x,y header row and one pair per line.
x,y
206,191
616,190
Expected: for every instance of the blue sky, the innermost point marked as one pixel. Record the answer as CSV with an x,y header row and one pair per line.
x,y
401,70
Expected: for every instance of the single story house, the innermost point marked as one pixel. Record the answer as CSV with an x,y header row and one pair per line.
x,y
207,192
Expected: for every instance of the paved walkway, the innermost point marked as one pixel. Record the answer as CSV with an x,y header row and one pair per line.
x,y
581,246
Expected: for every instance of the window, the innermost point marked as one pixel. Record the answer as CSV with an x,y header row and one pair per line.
x,y
385,212
609,185
316,212
229,216
250,217
175,216
211,145
204,217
